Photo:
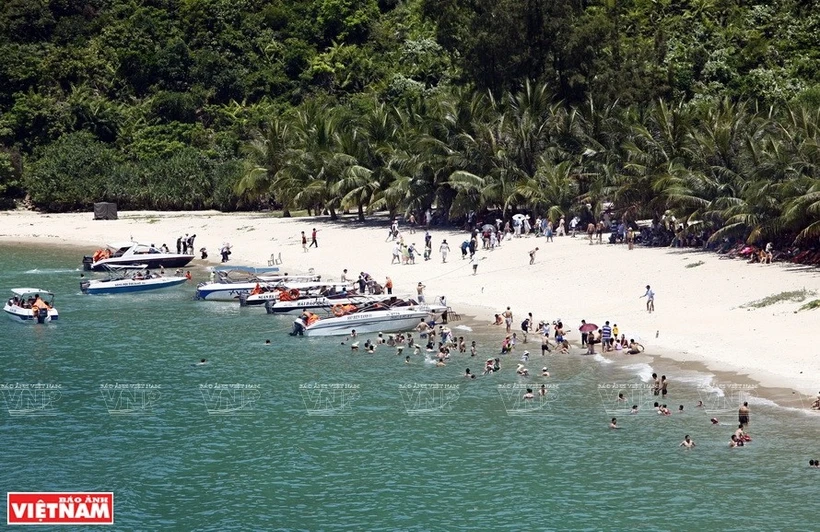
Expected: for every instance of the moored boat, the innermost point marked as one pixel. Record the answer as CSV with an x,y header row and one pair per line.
x,y
133,253
369,319
31,305
319,303
121,283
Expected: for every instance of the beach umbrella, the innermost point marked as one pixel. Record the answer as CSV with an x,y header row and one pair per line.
x,y
488,227
588,327
519,217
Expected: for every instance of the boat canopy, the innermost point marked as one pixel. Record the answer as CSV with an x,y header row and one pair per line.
x,y
121,245
22,292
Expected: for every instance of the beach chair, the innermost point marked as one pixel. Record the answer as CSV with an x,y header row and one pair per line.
x,y
275,259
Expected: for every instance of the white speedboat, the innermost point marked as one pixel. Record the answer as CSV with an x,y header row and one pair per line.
x,y
318,303
134,253
121,283
374,318
228,290
31,305
294,291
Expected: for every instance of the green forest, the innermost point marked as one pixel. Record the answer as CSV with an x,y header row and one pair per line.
x,y
709,109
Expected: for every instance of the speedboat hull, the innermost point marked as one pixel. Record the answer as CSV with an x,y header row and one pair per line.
x,y
152,261
223,291
27,315
365,322
314,303
125,286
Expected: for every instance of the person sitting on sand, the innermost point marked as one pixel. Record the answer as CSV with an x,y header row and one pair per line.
x,y
635,348
498,320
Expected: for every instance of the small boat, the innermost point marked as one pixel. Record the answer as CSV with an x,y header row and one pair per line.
x,y
318,303
230,290
292,292
119,282
369,319
134,253
31,305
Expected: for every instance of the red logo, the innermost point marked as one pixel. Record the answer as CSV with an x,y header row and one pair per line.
x,y
60,508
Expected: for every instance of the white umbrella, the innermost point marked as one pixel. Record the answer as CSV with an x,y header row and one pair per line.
x,y
519,217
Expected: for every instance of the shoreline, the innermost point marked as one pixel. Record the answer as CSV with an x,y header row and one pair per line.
x,y
706,323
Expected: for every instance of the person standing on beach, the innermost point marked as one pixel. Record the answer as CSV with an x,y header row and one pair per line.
x,y
526,325
420,292
590,231
532,255
444,249
584,333
412,223
344,276
650,299
304,242
313,242
743,415
388,285
428,245
630,238
606,335
573,226
508,319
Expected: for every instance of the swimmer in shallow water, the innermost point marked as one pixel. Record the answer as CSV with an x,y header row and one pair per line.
x,y
201,362
407,359
529,394
614,423
687,442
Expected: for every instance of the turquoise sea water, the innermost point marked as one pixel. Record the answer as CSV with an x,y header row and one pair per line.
x,y
305,435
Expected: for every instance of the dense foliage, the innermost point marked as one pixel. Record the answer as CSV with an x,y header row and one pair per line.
x,y
708,108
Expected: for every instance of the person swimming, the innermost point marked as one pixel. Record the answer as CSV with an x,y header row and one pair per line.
x,y
687,442
545,372
614,423
267,342
407,359
634,409
529,394
200,363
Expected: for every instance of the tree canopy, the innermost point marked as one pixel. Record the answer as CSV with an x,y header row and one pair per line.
x,y
707,108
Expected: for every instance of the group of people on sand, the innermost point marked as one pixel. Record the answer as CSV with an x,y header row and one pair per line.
x,y
607,336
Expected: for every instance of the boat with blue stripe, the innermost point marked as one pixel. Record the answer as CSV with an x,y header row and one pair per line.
x,y
120,282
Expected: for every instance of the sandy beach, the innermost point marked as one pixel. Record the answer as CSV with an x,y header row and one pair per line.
x,y
700,311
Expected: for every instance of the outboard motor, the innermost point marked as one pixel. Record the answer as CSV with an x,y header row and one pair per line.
x,y
243,299
84,286
42,315
88,260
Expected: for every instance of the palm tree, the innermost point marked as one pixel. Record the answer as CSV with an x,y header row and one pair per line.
x,y
266,154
